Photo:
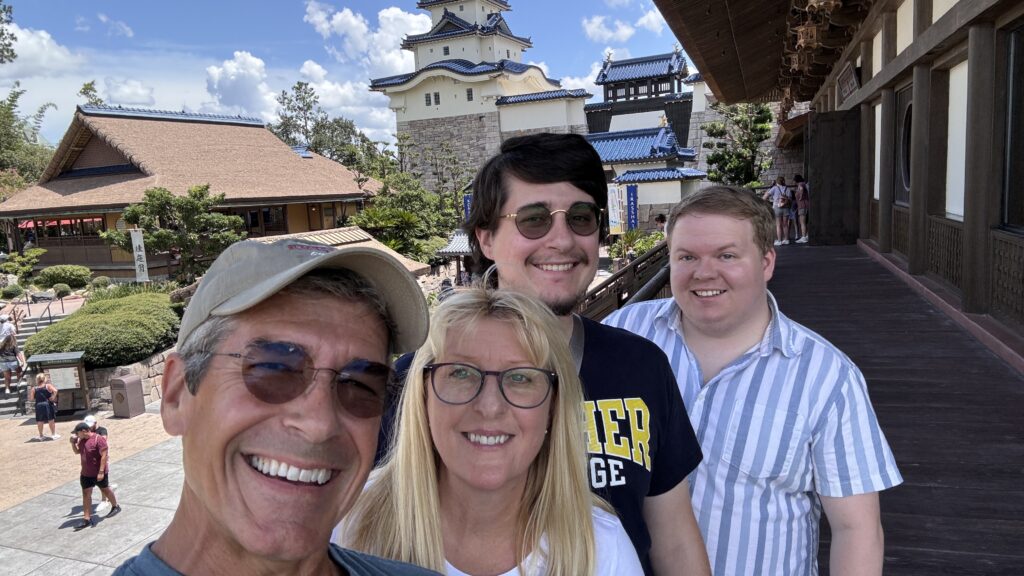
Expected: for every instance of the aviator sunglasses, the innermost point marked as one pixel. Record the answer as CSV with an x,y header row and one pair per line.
x,y
535,220
279,372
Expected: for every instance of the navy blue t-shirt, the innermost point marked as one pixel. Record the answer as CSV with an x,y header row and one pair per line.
x,y
639,439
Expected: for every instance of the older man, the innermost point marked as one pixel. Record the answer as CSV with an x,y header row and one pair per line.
x,y
783,417
277,389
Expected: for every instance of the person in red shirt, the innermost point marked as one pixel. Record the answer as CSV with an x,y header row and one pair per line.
x,y
93,450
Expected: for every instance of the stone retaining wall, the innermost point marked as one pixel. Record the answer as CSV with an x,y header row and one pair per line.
x,y
150,370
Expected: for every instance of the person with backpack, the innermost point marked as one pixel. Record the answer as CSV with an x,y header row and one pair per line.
x,y
781,197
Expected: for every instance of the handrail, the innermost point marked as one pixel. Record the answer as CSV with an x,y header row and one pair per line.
x,y
652,289
611,294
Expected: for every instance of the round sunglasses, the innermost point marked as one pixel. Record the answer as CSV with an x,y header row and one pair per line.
x,y
279,372
535,220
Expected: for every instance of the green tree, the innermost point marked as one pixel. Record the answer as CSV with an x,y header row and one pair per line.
x,y
7,37
10,182
88,91
736,157
20,146
303,122
185,225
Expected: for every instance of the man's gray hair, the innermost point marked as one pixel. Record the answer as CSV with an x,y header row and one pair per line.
x,y
198,349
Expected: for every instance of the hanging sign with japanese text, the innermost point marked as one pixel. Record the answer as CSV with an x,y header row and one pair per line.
x,y
139,256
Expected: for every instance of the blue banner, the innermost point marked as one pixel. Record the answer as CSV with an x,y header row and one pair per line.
x,y
467,203
632,208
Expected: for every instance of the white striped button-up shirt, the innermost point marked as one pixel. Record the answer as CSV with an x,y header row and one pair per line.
x,y
787,420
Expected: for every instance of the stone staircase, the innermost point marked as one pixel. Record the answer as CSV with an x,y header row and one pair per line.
x,y
8,402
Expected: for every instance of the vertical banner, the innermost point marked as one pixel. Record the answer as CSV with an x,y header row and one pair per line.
x,y
139,249
632,208
615,210
467,203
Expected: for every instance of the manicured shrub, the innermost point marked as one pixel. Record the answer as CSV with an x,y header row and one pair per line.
x,y
100,282
74,276
121,290
61,290
11,291
112,332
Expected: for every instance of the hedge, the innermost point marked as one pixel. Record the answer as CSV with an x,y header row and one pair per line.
x,y
74,276
11,291
112,332
100,282
61,290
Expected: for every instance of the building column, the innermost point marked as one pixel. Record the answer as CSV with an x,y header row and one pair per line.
x,y
919,170
888,38
982,197
922,17
887,159
867,167
866,72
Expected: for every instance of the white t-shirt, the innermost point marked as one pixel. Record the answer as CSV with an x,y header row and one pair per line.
x,y
615,553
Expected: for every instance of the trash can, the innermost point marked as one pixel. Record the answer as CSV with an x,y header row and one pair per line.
x,y
126,394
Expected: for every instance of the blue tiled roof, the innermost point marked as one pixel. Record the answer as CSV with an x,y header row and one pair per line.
x,y
659,175
458,245
429,3
458,66
541,96
667,99
638,145
641,68
450,26
693,78
104,110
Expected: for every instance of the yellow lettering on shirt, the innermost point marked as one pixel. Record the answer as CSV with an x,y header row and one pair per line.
x,y
612,412
639,420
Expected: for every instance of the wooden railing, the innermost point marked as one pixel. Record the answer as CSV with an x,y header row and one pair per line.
x,y
1008,276
631,281
901,229
945,249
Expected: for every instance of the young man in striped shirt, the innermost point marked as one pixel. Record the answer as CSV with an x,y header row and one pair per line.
x,y
782,416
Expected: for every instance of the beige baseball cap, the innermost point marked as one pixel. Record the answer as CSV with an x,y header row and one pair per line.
x,y
250,271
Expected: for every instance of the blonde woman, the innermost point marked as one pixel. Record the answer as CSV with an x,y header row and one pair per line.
x,y
44,394
488,472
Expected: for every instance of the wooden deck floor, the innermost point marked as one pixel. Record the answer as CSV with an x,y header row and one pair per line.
x,y
953,413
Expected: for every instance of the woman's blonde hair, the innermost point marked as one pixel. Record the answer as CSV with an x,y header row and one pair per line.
x,y
398,516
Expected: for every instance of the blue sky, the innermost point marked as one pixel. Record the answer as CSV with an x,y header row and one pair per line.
x,y
234,56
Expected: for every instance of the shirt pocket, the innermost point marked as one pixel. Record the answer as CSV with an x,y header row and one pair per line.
x,y
762,442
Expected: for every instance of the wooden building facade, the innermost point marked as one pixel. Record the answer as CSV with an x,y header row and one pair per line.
x,y
915,146
110,156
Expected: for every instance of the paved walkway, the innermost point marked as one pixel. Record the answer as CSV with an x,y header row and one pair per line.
x,y
38,537
950,408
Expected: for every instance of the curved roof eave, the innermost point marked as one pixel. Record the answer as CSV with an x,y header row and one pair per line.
x,y
432,71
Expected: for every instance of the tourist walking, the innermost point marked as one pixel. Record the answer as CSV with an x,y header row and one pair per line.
x,y
803,204
92,448
9,352
44,394
781,197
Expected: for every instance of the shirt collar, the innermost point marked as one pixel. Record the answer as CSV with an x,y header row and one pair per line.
x,y
778,336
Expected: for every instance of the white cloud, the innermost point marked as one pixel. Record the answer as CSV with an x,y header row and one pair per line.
x,y
115,27
543,66
239,86
128,92
597,31
586,82
81,24
38,55
352,39
617,3
313,71
652,20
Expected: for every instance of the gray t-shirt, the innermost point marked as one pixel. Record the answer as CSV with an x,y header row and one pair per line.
x,y
355,563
